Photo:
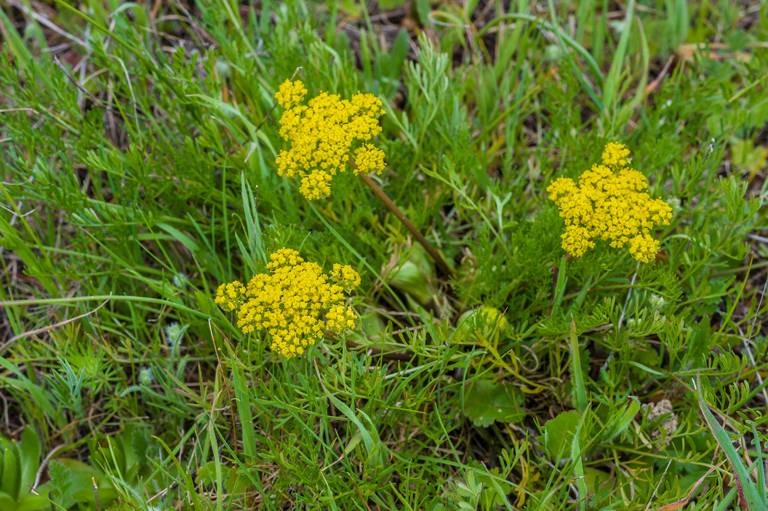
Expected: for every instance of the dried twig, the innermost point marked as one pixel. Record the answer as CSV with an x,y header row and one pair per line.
x,y
96,494
378,192
47,328
44,464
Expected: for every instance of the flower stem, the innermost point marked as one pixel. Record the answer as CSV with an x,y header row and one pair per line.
x,y
403,356
434,253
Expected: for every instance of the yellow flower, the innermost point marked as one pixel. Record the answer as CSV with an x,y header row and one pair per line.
x,y
610,202
230,296
346,276
321,135
290,93
369,159
290,301
614,154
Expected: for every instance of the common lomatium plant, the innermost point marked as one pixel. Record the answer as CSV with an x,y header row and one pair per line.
x,y
289,302
611,203
322,134
326,135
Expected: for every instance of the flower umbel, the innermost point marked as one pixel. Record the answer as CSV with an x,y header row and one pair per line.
x,y
322,133
610,202
289,303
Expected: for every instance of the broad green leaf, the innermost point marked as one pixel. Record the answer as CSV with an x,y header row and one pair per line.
x,y
496,494
80,475
109,455
559,431
399,53
6,502
486,402
107,493
354,442
30,458
207,473
409,278
139,446
596,479
11,475
31,503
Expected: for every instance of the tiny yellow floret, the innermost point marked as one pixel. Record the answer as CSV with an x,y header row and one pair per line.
x,y
369,159
290,94
322,134
230,296
611,203
290,301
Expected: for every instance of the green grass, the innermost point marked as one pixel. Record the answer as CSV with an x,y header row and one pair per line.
x,y
138,173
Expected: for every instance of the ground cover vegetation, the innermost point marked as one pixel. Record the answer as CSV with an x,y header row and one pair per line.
x,y
418,255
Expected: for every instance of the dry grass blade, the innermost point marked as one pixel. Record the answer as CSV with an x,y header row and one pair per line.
x,y
684,502
48,328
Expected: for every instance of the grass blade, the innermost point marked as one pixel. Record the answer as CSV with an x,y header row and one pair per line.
x,y
610,88
751,494
577,378
578,467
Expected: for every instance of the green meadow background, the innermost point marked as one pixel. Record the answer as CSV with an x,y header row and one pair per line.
x,y
137,155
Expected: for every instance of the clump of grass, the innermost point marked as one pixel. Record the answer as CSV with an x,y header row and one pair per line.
x,y
490,369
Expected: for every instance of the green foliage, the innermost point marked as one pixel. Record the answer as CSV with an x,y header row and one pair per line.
x,y
486,402
753,494
18,468
558,434
71,485
138,174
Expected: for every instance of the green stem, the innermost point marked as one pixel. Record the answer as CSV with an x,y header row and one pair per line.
x,y
434,253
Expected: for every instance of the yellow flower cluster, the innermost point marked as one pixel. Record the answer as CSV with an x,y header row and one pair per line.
x,y
610,202
290,301
321,134
290,93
